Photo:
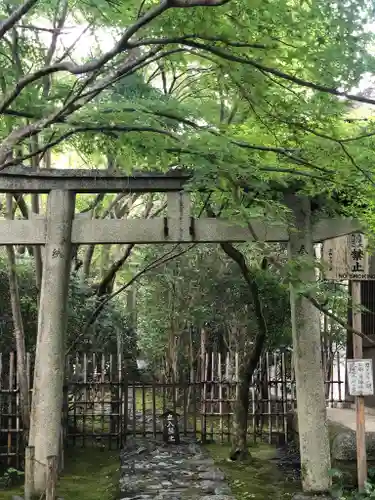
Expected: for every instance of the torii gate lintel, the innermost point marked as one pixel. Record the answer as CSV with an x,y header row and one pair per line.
x,y
178,226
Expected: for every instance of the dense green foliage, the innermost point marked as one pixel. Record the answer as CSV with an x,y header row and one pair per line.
x,y
251,97
205,289
241,93
81,304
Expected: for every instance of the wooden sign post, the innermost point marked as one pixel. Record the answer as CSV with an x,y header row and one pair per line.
x,y
359,371
347,259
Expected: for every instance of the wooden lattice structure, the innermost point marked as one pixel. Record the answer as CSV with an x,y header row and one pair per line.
x,y
103,405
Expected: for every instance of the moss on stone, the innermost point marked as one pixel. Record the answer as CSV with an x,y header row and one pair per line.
x,y
258,478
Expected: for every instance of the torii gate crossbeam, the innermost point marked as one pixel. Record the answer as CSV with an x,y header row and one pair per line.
x,y
178,226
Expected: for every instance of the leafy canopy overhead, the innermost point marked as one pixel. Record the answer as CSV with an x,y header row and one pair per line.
x,y
241,92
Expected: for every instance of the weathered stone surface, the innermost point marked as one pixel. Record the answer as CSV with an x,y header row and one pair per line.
x,y
217,497
344,446
151,469
306,496
343,441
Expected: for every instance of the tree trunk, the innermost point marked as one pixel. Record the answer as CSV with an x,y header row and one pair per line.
x,y
46,412
239,450
87,261
36,249
19,333
251,360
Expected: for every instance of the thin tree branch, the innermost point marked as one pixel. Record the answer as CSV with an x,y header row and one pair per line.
x,y
152,265
16,15
273,71
98,129
307,296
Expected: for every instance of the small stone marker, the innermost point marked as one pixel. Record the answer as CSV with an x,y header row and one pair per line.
x,y
360,377
171,433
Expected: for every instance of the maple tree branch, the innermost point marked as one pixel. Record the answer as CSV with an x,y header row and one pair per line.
x,y
184,38
79,69
71,106
196,3
276,72
163,259
104,129
15,16
307,296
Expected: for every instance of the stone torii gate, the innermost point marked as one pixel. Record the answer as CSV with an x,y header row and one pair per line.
x,y
59,228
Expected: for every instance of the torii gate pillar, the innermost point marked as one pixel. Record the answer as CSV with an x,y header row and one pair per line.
x,y
47,397
311,404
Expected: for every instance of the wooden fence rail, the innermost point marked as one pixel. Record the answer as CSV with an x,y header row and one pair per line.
x,y
103,405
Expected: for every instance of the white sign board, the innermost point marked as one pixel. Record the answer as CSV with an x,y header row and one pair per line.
x,y
360,377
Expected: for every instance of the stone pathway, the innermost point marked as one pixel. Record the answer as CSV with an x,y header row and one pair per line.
x,y
152,470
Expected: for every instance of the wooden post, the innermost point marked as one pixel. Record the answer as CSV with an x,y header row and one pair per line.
x,y
51,477
29,472
359,400
61,449
220,379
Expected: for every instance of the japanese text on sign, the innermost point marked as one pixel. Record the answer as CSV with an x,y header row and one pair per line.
x,y
357,253
360,377
171,428
357,259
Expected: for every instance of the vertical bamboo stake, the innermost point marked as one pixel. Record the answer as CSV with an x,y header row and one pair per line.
x,y
194,400
253,406
185,404
284,395
213,405
29,472
134,409
125,400
153,409
204,405
259,400
237,376
93,393
74,400
17,410
269,395
85,398
228,392
112,406
61,455
277,385
143,410
220,379
51,482
10,406
121,396
331,379
359,400
203,382
102,391
28,369
339,381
